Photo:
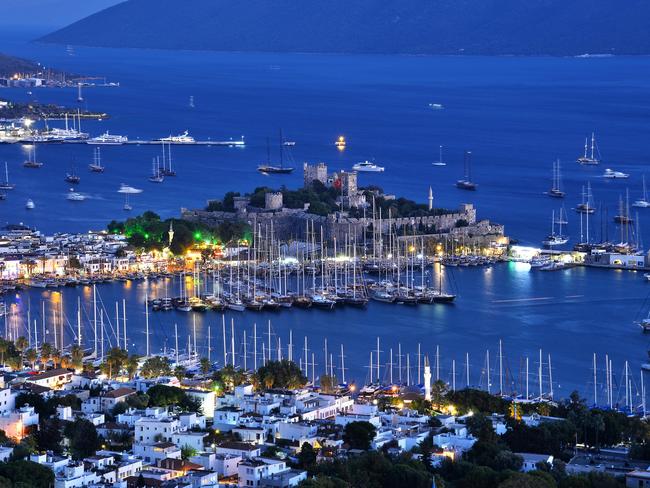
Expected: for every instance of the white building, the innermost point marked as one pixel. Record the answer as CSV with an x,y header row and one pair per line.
x,y
254,472
149,430
189,438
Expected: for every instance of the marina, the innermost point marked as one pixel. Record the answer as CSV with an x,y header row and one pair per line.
x,y
510,300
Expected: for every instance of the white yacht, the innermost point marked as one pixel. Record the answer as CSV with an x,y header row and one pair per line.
x,y
29,205
74,196
107,139
183,138
436,106
611,174
367,166
124,188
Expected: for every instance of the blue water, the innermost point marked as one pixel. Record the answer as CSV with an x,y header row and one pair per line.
x,y
516,114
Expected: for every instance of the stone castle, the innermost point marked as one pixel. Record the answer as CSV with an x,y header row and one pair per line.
x,y
296,224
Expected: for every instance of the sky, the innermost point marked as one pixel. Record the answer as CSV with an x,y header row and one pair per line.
x,y
47,15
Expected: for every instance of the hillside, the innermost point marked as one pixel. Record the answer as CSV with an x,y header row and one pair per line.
x,y
10,65
552,27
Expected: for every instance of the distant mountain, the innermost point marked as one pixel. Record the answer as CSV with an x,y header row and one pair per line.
x,y
48,14
547,27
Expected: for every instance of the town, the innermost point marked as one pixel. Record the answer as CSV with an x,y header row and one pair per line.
x,y
70,421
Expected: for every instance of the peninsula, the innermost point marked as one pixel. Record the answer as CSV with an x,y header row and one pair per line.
x,y
480,27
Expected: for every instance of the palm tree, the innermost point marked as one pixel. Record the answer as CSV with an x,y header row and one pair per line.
x,y
205,365
31,355
21,344
14,362
46,352
179,372
56,357
132,365
66,362
77,356
115,359
4,347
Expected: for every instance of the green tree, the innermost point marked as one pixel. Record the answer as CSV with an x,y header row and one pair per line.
x,y
155,366
281,374
205,365
27,474
132,365
359,435
306,456
180,372
480,426
31,356
48,436
187,452
83,438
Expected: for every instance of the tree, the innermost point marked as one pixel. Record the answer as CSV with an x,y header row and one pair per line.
x,y
439,391
205,365
166,396
480,426
522,480
46,352
328,383
138,401
77,356
359,435
4,347
180,372
187,452
27,474
83,437
48,437
281,374
306,456
132,365
115,360
21,343
154,367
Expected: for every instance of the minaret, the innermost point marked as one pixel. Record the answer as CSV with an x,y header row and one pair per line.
x,y
430,199
427,379
171,233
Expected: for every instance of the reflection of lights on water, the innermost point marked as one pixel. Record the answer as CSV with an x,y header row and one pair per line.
x,y
519,266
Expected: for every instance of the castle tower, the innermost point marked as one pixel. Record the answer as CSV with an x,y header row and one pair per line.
x,y
427,379
430,199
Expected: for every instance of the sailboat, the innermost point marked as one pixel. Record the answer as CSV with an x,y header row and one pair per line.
x,y
156,175
558,239
268,167
466,182
127,206
72,177
589,158
6,185
440,162
556,190
164,170
623,216
31,161
586,207
96,165
641,202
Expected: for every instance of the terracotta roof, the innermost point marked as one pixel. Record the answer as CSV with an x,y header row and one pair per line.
x,y
120,392
49,374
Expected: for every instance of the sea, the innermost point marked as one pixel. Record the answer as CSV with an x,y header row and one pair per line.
x,y
515,114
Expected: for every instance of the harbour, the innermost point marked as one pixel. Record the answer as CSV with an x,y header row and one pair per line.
x,y
503,301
